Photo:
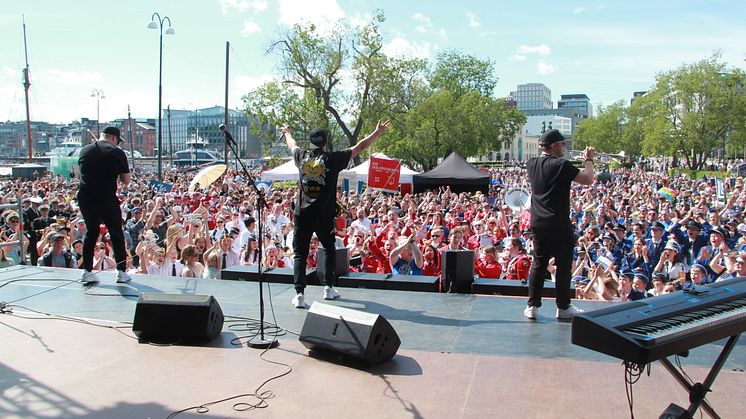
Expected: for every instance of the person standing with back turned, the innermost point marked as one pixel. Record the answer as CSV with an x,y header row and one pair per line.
x,y
315,209
550,176
102,163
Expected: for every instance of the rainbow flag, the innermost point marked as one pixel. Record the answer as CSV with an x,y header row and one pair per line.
x,y
668,192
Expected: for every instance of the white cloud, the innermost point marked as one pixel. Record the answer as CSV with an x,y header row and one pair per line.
x,y
473,22
10,71
359,20
578,11
227,6
542,50
250,27
424,23
544,68
322,13
70,77
518,57
401,47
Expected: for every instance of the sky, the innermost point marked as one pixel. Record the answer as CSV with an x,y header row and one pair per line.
x,y
604,49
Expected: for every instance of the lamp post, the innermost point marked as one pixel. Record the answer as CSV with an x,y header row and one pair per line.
x,y
98,94
156,22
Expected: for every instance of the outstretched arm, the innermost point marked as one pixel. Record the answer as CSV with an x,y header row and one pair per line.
x,y
288,134
381,127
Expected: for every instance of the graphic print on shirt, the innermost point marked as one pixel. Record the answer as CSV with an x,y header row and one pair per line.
x,y
313,176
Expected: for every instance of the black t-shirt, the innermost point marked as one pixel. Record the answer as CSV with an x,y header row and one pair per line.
x,y
100,165
550,179
319,171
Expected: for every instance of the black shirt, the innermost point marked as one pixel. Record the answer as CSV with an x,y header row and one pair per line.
x,y
319,171
100,165
550,179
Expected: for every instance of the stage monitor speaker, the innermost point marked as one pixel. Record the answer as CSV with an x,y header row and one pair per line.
x,y
177,318
341,264
365,336
457,270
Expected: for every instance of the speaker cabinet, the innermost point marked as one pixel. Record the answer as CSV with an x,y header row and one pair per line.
x,y
364,336
341,264
457,270
177,318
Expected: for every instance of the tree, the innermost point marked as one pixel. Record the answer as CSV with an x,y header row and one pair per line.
x,y
603,132
341,81
693,111
460,114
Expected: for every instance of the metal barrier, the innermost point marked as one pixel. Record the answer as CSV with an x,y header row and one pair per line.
x,y
19,208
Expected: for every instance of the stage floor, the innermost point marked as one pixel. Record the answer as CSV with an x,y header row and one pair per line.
x,y
462,356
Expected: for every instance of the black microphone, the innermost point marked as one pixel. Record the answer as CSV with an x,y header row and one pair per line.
x,y
228,137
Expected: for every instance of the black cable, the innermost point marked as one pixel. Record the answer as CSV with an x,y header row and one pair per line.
x,y
67,282
8,309
632,373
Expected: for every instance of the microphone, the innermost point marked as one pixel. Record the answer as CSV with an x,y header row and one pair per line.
x,y
228,137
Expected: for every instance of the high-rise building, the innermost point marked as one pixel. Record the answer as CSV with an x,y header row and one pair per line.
x,y
576,101
201,125
532,96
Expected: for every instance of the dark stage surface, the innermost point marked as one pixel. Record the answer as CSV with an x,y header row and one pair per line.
x,y
462,356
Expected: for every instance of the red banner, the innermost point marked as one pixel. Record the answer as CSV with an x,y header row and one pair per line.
x,y
384,174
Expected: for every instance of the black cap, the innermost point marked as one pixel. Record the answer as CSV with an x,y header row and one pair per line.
x,y
550,137
657,224
112,130
719,231
319,137
694,224
620,226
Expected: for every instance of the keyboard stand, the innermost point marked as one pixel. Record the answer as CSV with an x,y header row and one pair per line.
x,y
698,391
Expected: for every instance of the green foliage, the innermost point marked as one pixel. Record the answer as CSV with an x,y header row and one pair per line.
x,y
694,110
460,74
604,132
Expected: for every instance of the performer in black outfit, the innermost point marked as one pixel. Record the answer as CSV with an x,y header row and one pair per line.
x,y
101,164
315,209
551,176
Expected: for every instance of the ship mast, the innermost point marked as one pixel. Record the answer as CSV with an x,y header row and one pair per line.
x,y
26,85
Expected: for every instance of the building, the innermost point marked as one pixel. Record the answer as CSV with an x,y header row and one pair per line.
x,y
13,138
636,95
537,124
532,96
138,135
576,101
183,127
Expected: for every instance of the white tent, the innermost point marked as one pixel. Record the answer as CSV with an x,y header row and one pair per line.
x,y
360,172
285,171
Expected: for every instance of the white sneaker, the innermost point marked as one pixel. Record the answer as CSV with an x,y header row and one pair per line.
x,y
123,277
89,278
569,312
330,293
531,312
299,301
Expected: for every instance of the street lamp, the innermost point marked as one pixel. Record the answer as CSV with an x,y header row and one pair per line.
x,y
98,94
156,22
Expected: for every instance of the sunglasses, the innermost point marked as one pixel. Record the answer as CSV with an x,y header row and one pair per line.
x,y
436,235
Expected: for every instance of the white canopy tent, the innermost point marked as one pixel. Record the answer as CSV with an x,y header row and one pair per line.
x,y
285,171
360,172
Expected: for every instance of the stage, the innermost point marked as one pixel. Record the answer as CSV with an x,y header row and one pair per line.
x,y
462,356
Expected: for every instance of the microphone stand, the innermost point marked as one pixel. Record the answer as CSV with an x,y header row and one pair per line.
x,y
258,341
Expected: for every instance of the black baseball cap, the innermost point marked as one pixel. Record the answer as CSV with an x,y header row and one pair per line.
x,y
112,130
550,137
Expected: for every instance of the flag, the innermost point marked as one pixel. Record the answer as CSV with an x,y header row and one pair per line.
x,y
668,192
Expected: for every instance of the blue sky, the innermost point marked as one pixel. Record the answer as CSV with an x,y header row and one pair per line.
x,y
606,50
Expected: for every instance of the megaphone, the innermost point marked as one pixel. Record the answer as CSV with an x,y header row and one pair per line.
x,y
518,199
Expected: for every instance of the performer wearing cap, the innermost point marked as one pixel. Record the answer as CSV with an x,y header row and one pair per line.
x,y
550,176
315,209
102,163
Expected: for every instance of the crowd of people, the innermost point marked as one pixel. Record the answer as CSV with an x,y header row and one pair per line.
x,y
632,240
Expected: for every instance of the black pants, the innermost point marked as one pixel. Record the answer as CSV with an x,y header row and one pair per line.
x,y
324,228
109,214
551,242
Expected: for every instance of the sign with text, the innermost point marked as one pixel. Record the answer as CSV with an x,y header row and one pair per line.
x,y
384,174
